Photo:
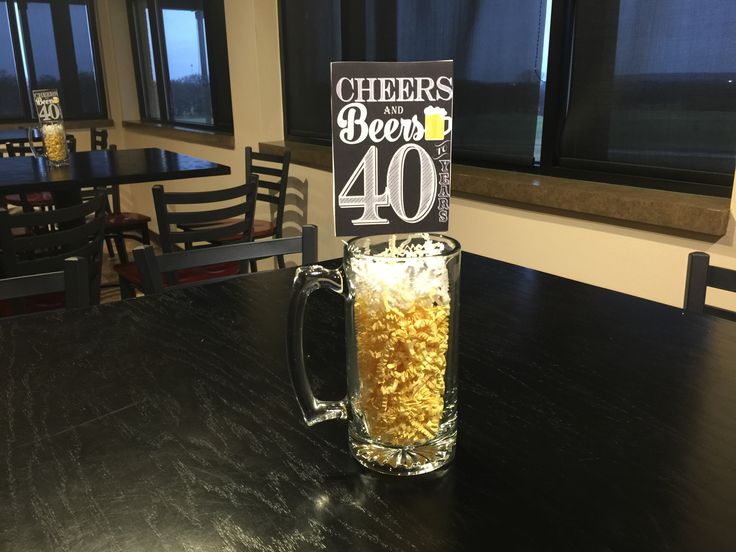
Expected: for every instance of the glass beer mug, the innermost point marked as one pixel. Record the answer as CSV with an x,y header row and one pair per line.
x,y
401,297
53,136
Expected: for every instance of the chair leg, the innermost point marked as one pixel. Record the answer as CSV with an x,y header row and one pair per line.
x,y
280,261
254,266
145,235
110,251
120,246
127,291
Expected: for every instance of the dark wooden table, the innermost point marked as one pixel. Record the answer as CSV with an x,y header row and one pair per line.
x,y
589,420
101,168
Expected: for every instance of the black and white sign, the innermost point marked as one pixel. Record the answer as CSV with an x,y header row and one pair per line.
x,y
48,106
391,146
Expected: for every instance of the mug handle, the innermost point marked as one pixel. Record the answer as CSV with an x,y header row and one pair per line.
x,y
309,279
449,124
31,138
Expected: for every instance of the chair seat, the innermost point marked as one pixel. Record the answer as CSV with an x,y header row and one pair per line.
x,y
120,220
34,199
129,272
261,229
35,303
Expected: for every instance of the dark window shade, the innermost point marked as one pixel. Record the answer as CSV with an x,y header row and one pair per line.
x,y
43,59
11,98
90,95
61,52
49,44
217,55
147,76
496,44
653,89
311,39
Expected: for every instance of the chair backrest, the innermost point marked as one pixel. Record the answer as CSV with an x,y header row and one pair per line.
x,y
272,180
73,281
700,276
76,231
21,148
98,139
151,267
112,190
208,224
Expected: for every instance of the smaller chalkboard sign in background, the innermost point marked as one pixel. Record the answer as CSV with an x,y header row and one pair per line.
x,y
391,146
48,106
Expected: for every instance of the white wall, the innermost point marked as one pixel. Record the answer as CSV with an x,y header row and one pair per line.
x,y
637,262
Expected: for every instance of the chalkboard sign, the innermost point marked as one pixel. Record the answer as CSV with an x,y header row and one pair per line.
x,y
48,106
391,146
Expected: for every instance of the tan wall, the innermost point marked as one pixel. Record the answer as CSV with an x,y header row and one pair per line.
x,y
255,82
637,262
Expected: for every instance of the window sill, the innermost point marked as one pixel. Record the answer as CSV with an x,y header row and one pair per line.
x,y
695,216
69,124
204,137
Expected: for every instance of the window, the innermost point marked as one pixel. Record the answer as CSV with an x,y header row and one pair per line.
x,y
652,90
180,49
49,44
496,97
638,92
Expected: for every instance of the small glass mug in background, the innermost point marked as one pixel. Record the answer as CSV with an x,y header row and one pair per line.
x,y
55,149
401,296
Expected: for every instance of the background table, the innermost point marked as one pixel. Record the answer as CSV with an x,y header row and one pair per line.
x,y
589,420
102,168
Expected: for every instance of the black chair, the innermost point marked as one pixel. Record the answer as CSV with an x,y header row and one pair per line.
x,y
191,228
98,139
274,193
75,231
119,225
700,276
22,148
153,268
272,190
73,281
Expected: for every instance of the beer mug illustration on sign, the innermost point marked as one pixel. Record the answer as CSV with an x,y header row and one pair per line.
x,y
434,123
51,128
401,311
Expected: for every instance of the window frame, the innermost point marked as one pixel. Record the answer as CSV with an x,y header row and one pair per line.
x,y
217,61
26,83
556,97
